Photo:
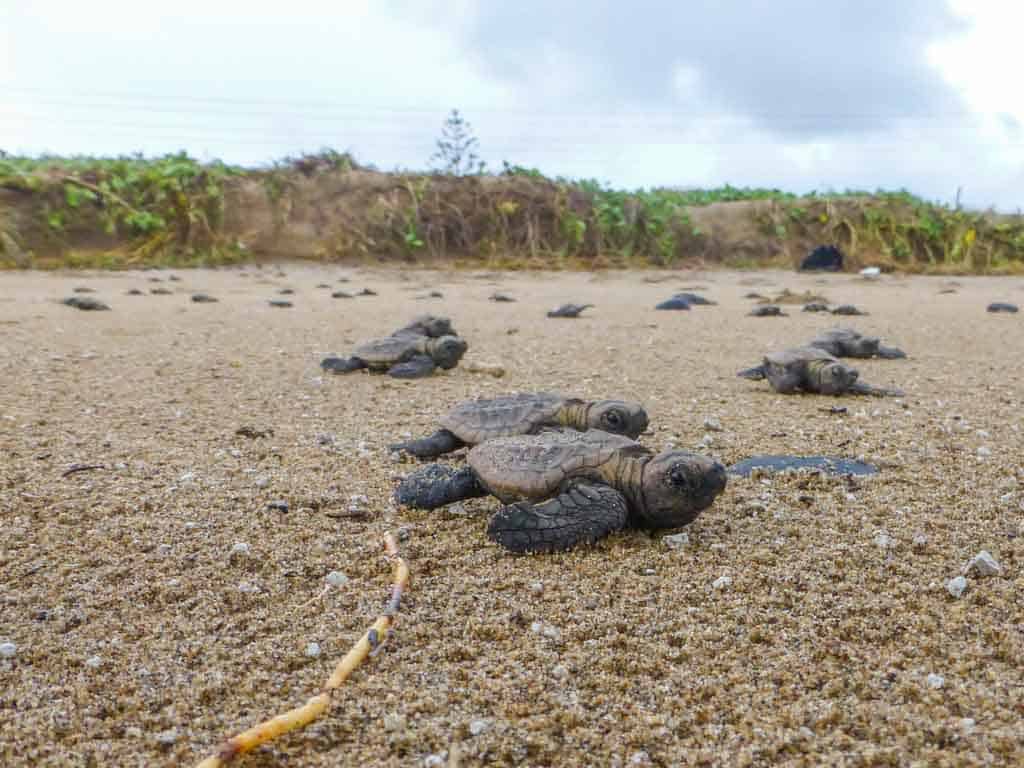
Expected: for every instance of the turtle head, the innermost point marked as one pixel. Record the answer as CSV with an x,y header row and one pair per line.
x,y
617,417
677,485
834,378
447,350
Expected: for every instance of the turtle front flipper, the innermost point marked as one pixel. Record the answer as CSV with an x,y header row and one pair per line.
x,y
341,364
437,485
860,388
891,353
583,513
417,367
754,374
436,444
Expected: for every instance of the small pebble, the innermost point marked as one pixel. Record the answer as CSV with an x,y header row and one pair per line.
x,y
956,586
7,650
983,564
279,505
433,761
393,722
984,451
920,542
477,727
935,681
537,588
247,587
967,724
712,424
884,541
676,540
721,582
548,631
336,579
240,548
313,650
93,662
167,738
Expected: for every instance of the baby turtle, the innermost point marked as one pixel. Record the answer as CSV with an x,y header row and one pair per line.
x,y
695,299
86,303
562,487
768,310
676,302
280,303
203,298
407,356
476,421
846,342
134,292
83,289
809,369
568,310
1002,306
161,292
816,306
342,295
501,297
847,309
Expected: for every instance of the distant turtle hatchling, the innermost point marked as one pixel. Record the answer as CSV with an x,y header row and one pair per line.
x,y
135,292
410,353
674,303
280,303
809,369
1002,306
846,342
816,306
203,298
847,309
476,421
568,310
767,310
500,297
83,289
85,303
562,487
161,291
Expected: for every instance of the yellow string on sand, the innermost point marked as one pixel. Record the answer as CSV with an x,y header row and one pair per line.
x,y
316,706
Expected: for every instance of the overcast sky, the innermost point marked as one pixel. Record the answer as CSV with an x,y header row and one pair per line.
x,y
796,94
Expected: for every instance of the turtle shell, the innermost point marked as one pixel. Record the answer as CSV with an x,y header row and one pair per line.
x,y
778,364
535,466
476,421
385,352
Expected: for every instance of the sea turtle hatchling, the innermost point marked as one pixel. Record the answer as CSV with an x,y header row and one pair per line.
x,y
563,487
767,310
475,421
846,342
568,310
407,356
809,369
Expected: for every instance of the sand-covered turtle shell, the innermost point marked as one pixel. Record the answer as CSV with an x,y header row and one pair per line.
x,y
389,350
796,358
476,421
535,466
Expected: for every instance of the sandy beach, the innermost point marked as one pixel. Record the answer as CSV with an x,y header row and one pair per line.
x,y
156,605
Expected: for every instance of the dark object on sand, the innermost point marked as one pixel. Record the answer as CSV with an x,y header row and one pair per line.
x,y
407,356
824,258
812,370
85,303
568,310
676,302
203,298
1003,306
500,296
280,303
768,310
847,309
816,306
846,342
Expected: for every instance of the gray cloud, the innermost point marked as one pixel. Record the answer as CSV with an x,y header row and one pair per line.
x,y
798,68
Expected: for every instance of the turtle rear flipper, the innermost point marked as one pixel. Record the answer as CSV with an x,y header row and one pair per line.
x,y
417,367
436,444
342,364
754,374
584,512
891,353
860,388
437,485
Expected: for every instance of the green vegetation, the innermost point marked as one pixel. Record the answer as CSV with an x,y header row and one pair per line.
x,y
174,210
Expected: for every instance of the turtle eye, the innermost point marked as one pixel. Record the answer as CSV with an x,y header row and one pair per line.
x,y
612,419
678,476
